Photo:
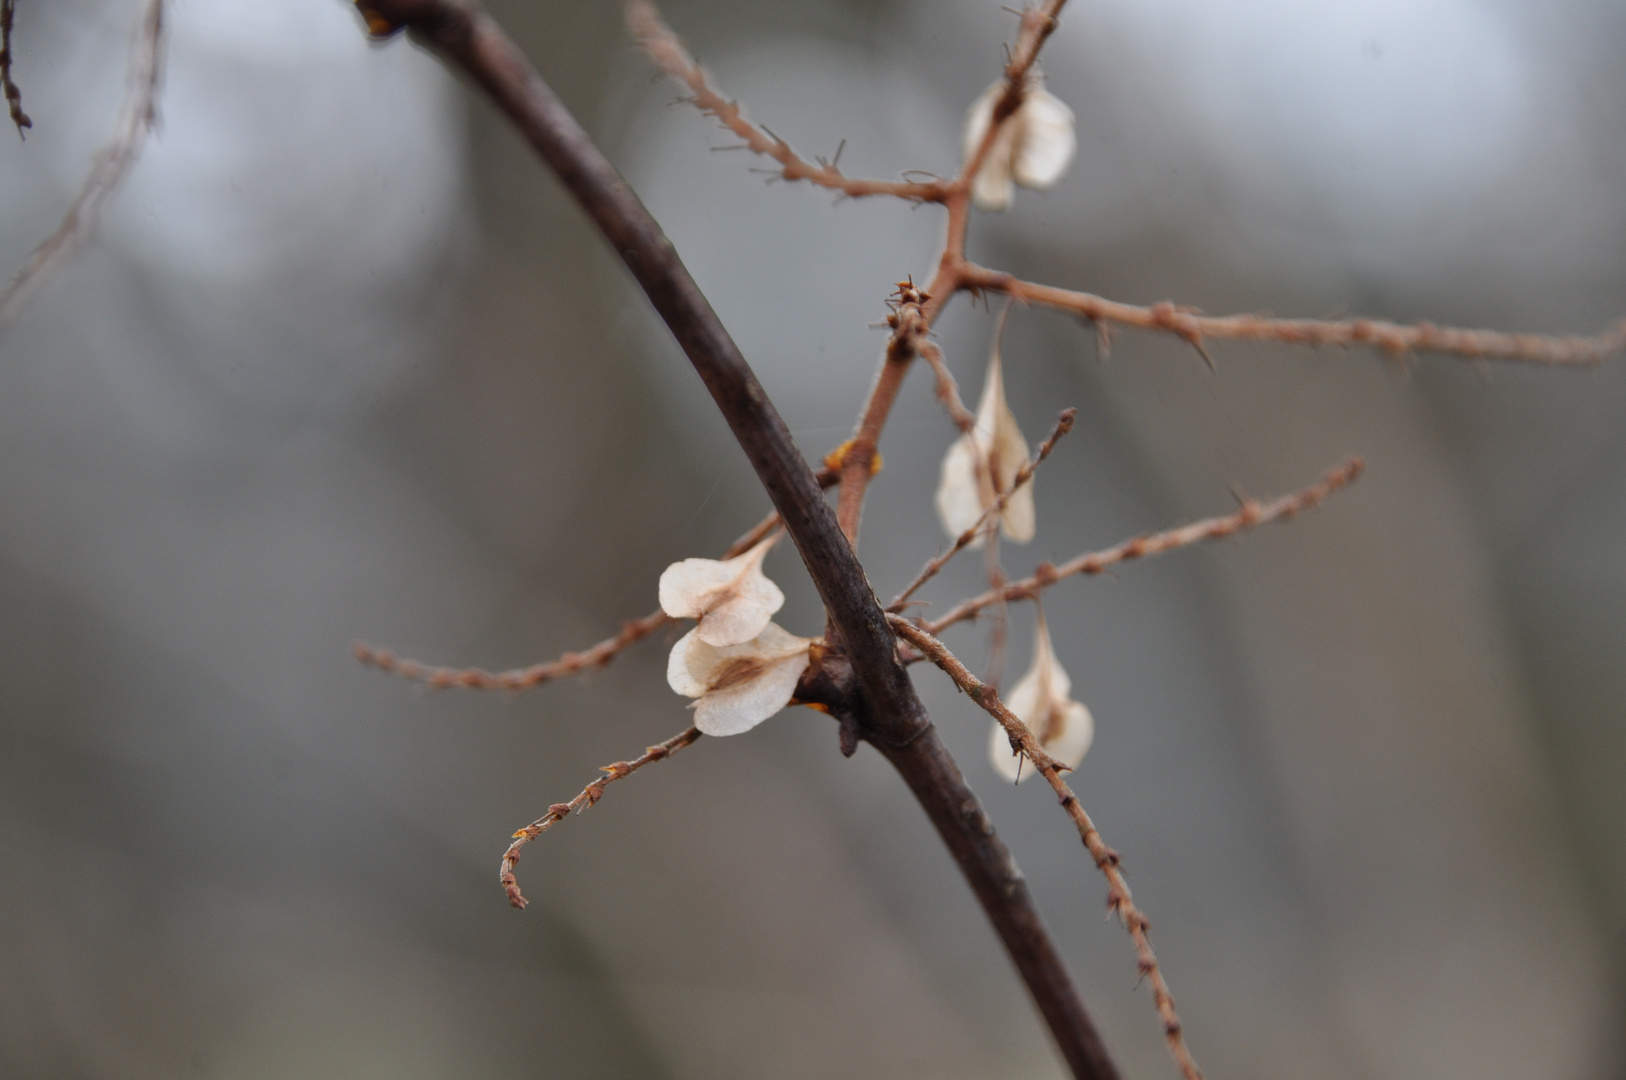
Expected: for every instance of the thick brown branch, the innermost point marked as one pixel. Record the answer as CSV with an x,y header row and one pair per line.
x,y
1119,900
109,168
1064,424
893,718
666,49
1252,515
589,795
1392,338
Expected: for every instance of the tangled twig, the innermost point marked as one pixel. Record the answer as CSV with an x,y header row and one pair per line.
x,y
1119,899
1252,515
589,795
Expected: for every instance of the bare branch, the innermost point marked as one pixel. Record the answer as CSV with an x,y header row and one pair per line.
x,y
589,795
1064,424
1195,328
667,51
14,94
1119,900
892,717
1252,515
109,168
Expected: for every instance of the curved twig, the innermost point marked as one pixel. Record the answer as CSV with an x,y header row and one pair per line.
x,y
589,795
1119,900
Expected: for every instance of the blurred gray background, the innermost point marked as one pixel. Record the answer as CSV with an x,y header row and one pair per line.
x,y
344,363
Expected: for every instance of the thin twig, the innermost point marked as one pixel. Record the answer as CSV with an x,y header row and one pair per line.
x,y
1119,899
666,49
108,169
14,94
1252,515
1393,338
948,391
1064,424
589,795
571,663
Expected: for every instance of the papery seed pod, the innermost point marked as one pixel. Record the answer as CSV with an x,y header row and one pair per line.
x,y
993,451
1042,700
732,598
1033,147
738,686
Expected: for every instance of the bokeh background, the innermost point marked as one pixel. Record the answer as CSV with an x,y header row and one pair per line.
x,y
344,363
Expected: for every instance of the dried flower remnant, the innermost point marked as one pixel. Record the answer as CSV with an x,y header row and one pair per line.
x,y
1042,700
983,463
732,598
1033,147
738,686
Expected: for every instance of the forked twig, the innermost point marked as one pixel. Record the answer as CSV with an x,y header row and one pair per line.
x,y
14,94
666,49
1393,338
589,795
108,169
1064,424
1119,899
1252,515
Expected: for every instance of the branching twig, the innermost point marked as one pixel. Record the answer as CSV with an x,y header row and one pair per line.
x,y
1064,424
1119,900
14,94
110,166
589,795
1392,338
1252,514
666,49
892,717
